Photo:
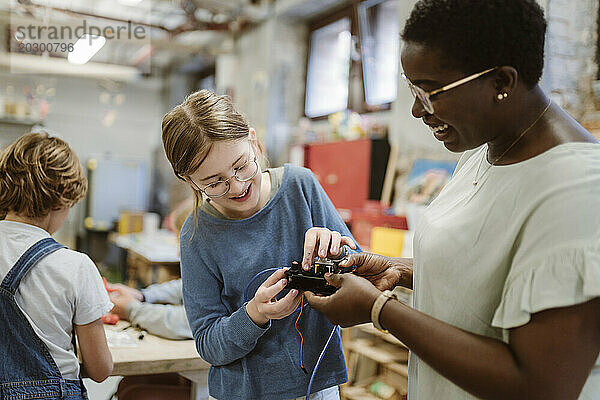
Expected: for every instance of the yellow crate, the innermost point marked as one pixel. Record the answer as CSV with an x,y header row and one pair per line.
x,y
387,241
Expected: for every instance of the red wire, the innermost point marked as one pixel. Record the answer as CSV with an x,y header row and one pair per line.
x,y
300,333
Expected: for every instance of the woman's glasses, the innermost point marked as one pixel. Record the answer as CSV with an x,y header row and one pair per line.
x,y
425,97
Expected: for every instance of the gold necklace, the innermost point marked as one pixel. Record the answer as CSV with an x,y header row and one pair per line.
x,y
477,177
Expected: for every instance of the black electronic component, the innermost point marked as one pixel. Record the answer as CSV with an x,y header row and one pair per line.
x,y
313,280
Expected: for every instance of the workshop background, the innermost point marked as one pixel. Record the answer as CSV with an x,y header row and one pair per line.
x,y
317,79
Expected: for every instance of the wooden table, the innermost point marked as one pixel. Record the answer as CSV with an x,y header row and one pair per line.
x,y
147,258
156,355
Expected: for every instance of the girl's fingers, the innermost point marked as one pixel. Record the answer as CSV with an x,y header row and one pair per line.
x,y
265,294
284,306
335,245
346,240
274,278
324,239
324,242
310,241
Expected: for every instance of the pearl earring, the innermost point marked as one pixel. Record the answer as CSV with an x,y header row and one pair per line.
x,y
502,96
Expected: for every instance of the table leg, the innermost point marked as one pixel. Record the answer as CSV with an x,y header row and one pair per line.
x,y
199,383
123,263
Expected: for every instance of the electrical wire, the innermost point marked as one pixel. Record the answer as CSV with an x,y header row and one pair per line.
x,y
336,327
312,378
255,278
301,337
246,295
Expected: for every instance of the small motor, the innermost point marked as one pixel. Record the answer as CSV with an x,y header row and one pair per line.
x,y
314,279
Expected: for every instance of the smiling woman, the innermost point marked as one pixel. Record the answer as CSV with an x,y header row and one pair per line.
x,y
505,270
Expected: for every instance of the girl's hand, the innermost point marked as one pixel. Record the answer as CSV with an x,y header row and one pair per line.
x,y
264,307
326,243
351,304
383,272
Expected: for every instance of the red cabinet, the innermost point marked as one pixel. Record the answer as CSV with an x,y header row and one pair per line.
x,y
343,169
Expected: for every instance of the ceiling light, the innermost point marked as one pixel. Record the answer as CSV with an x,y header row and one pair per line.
x,y
85,48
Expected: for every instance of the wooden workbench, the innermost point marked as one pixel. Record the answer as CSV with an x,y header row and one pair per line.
x,y
156,355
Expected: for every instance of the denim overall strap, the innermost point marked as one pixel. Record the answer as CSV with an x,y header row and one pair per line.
x,y
27,370
30,258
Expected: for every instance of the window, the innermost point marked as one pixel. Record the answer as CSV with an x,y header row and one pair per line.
x,y
380,44
328,69
341,73
205,79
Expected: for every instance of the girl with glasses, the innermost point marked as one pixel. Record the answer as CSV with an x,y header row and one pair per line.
x,y
246,220
506,267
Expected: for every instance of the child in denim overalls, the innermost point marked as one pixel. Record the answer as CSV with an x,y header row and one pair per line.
x,y
47,289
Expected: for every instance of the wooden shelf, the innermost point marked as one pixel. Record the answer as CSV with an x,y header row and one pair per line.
x,y
357,393
373,356
400,369
18,121
361,391
382,353
388,337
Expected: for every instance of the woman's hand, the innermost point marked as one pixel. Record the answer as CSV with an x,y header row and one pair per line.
x,y
383,272
326,243
351,304
264,307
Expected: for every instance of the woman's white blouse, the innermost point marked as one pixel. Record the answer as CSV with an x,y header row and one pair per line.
x,y
525,239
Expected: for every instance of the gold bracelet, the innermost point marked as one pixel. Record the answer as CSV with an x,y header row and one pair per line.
x,y
378,306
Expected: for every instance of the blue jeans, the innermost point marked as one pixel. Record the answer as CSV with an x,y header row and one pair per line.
x,y
27,370
332,393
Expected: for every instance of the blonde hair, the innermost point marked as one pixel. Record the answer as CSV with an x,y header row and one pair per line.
x,y
190,129
38,174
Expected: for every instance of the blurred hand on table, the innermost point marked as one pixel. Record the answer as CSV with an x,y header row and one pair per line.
x,y
121,299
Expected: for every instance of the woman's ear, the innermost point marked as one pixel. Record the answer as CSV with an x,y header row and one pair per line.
x,y
252,134
506,80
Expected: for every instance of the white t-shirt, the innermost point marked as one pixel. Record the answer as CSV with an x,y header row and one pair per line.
x,y
63,289
525,239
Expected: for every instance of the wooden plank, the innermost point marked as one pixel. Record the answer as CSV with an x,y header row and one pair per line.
x,y
365,369
390,174
388,337
396,375
361,391
382,353
400,369
357,393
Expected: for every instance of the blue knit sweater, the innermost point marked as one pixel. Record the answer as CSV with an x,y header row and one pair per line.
x,y
218,259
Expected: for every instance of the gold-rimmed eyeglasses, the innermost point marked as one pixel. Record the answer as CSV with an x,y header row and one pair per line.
x,y
424,97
